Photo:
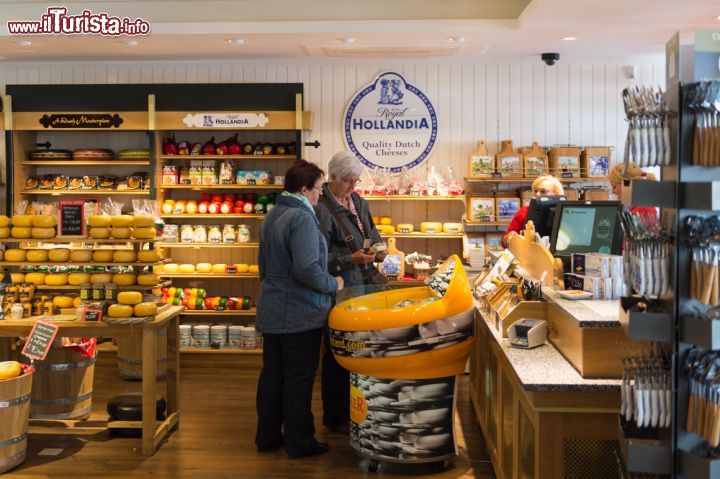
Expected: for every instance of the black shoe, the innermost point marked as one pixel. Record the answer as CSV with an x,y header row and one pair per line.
x,y
270,446
315,450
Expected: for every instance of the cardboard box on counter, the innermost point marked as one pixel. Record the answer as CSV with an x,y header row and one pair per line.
x,y
601,288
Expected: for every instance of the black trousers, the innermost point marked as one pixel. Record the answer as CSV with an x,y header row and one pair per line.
x,y
284,394
335,389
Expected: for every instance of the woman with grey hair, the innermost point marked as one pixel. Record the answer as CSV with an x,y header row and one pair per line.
x,y
346,223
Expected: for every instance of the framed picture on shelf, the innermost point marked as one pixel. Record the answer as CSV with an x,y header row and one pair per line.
x,y
566,161
481,209
510,166
506,208
596,161
536,166
493,242
481,164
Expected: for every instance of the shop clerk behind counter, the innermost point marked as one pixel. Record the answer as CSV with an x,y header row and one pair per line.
x,y
542,186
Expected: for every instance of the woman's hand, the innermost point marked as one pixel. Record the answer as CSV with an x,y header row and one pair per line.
x,y
340,282
359,257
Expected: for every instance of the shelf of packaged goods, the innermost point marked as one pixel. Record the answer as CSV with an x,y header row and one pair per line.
x,y
85,163
487,223
256,351
213,217
103,264
423,235
85,192
196,312
221,187
227,157
208,275
210,245
79,240
518,179
413,198
134,287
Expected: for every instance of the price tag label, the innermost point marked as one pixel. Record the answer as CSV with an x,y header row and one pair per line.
x,y
72,218
567,174
40,340
231,269
92,314
497,176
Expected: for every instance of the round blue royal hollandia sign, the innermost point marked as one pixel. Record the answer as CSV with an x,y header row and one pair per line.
x,y
390,124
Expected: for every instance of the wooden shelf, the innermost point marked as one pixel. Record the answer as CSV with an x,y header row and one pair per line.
x,y
414,198
227,157
134,287
85,192
64,163
106,263
257,351
423,235
221,187
202,312
531,179
487,223
79,240
209,275
210,245
218,216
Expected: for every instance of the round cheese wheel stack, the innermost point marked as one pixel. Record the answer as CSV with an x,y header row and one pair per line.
x,y
405,228
56,279
43,233
149,256
81,256
99,221
22,220
20,232
147,279
35,278
253,269
145,309
44,221
101,278
64,301
129,297
4,233
103,256
143,221
121,232
120,311
186,268
123,279
170,268
60,255
37,255
432,226
203,268
386,220
100,233
145,233
13,255
121,221
17,277
77,279
219,268
4,221
124,256
9,370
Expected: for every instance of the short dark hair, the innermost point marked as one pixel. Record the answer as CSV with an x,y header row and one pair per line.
x,y
302,173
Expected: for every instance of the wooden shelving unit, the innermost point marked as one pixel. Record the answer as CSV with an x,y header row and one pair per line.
x,y
79,240
218,217
413,198
62,164
210,245
423,236
104,264
221,187
134,287
88,193
191,350
226,157
202,312
523,179
208,276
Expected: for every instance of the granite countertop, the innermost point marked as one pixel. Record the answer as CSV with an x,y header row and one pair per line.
x,y
544,369
591,313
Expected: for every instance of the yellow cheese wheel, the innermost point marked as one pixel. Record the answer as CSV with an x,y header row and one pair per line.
x,y
145,309
56,279
386,220
44,221
243,268
452,228
59,255
121,232
253,269
43,233
99,221
17,277
101,278
186,268
4,233
20,232
143,221
77,279
129,297
22,220
121,221
431,227
120,311
77,302
64,301
100,233
9,369
37,255
4,221
145,233
203,268
103,256
35,278
147,279
376,219
171,268
386,229
13,255
124,256
123,279
405,228
219,268
149,256
81,256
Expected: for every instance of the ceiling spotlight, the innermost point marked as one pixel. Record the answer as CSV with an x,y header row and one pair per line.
x,y
569,39
130,43
236,41
456,39
24,43
347,39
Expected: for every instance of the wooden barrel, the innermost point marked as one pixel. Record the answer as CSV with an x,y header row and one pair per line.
x,y
62,385
130,357
14,413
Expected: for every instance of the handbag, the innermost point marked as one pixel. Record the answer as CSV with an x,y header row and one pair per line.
x,y
370,274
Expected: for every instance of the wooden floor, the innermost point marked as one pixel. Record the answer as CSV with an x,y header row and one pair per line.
x,y
215,438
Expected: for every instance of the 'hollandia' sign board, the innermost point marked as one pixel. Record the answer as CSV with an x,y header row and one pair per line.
x,y
390,124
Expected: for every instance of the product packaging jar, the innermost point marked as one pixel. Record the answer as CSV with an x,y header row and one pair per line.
x,y
243,234
229,234
186,234
214,235
199,234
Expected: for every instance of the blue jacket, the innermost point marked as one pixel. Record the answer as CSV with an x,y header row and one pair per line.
x,y
296,291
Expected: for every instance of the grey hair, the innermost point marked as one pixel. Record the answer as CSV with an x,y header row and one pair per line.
x,y
344,164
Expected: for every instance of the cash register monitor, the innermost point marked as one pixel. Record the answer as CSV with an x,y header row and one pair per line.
x,y
541,212
586,227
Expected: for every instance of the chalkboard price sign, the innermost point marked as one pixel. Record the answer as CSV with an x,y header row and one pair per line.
x,y
92,314
40,340
72,218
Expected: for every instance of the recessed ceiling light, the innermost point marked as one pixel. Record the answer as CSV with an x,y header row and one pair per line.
x,y
130,43
456,39
24,43
347,39
569,39
236,41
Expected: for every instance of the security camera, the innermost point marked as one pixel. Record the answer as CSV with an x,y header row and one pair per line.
x,y
550,58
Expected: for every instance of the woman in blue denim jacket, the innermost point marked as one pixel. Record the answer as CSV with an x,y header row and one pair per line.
x,y
296,295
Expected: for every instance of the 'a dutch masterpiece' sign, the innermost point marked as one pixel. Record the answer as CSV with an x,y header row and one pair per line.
x,y
390,124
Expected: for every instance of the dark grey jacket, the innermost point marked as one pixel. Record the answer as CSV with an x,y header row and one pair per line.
x,y
339,260
296,291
